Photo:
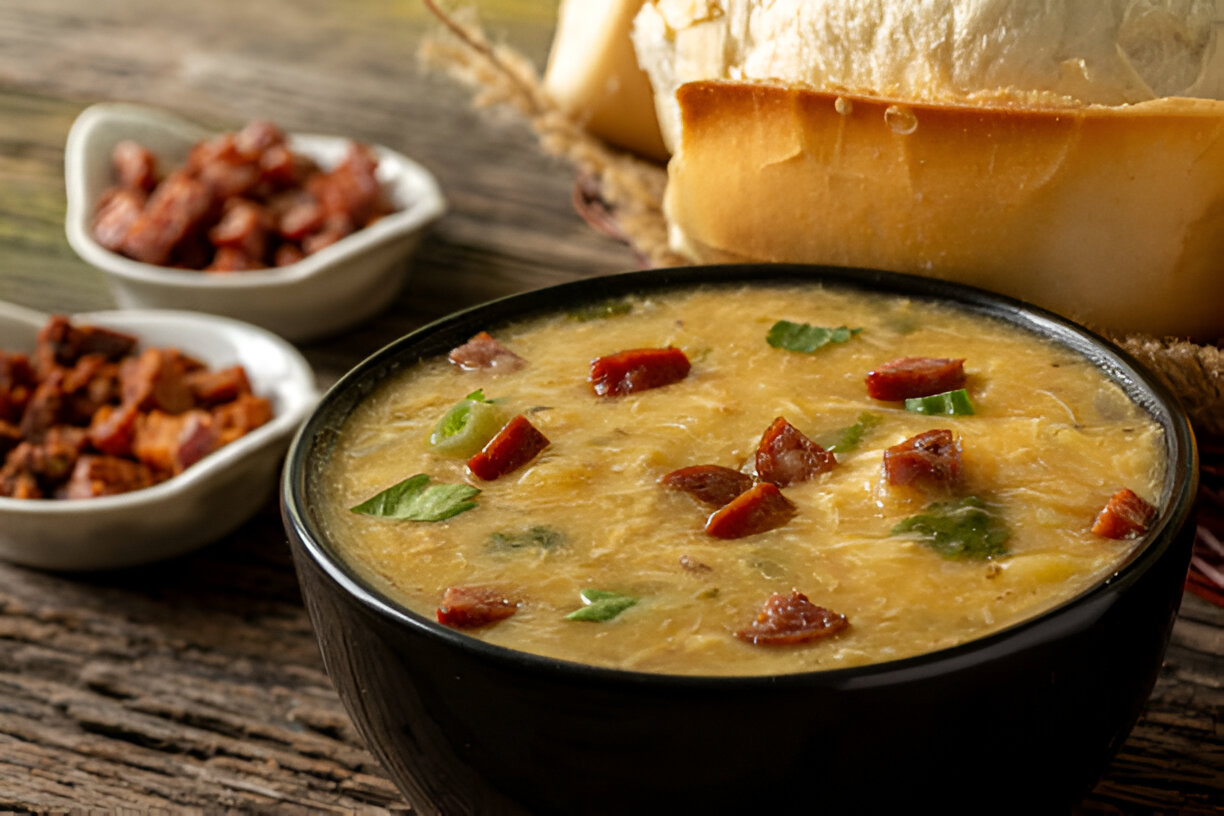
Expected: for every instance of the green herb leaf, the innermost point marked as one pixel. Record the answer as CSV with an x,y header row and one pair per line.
x,y
849,438
949,403
964,528
414,499
806,338
546,538
601,311
601,605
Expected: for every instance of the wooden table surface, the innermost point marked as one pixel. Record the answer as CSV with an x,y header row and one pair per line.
x,y
195,685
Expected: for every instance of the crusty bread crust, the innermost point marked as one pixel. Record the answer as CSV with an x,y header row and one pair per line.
x,y
1113,216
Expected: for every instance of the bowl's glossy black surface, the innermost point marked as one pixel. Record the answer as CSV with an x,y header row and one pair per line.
x,y
1021,721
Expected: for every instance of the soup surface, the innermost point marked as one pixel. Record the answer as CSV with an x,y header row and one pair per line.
x,y
1005,535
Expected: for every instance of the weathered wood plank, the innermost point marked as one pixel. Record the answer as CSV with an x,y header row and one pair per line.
x,y
195,686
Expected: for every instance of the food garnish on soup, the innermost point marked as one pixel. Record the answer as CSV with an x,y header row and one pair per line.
x,y
719,484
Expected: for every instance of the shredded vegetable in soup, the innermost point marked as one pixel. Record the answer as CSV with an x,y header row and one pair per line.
x,y
736,481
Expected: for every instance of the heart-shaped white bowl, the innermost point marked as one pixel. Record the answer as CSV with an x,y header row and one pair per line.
x,y
326,292
201,504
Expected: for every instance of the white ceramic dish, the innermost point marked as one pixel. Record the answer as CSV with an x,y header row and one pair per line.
x,y
333,289
206,500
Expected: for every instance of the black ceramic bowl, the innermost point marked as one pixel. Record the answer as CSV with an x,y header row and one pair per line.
x,y
1024,720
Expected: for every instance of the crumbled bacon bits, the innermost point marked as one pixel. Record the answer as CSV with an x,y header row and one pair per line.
x,y
91,415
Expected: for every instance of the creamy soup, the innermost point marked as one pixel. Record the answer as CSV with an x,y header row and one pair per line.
x,y
589,522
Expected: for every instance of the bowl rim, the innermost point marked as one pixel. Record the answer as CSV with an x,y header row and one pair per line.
x,y
424,203
437,336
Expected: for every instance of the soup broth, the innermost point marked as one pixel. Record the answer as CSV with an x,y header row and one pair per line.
x,y
1050,440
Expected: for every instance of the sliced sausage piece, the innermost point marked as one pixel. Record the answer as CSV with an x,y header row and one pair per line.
x,y
287,254
785,456
277,167
789,619
1125,515
335,226
228,178
908,377
352,188
233,259
516,444
483,351
298,214
633,370
118,210
931,456
256,137
464,607
134,166
175,209
760,508
243,226
714,485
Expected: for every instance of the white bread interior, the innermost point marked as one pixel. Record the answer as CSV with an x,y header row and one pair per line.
x,y
1030,52
593,75
1113,216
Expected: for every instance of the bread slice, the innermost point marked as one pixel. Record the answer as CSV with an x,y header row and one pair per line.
x,y
1111,215
593,75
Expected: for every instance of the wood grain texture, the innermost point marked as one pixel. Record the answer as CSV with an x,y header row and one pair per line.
x,y
194,686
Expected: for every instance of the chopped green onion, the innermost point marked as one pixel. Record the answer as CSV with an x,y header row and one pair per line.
x,y
601,605
964,528
414,499
949,403
848,438
805,338
601,311
546,538
467,426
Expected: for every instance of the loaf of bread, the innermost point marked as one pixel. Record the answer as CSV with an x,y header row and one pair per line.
x,y
1067,153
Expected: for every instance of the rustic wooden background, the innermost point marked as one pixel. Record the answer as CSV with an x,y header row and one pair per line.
x,y
195,685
